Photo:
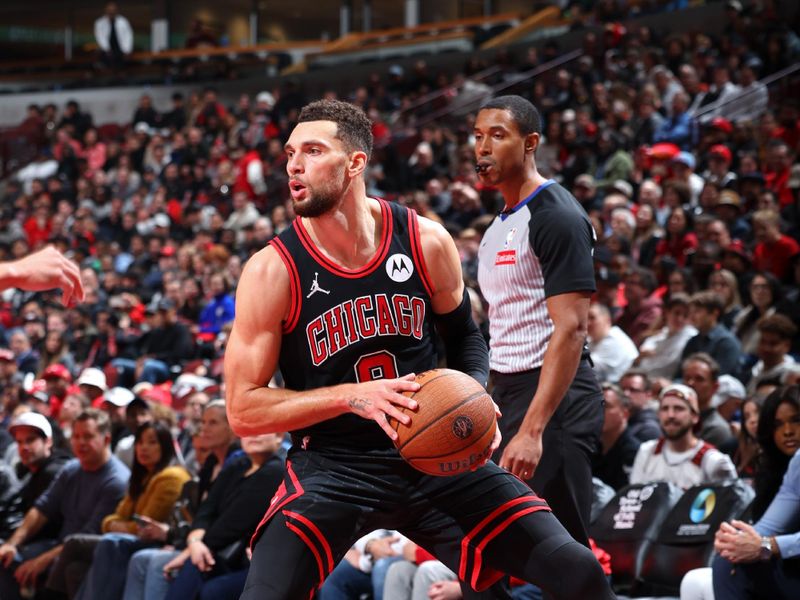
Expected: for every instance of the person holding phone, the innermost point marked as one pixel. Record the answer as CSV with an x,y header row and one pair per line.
x,y
136,523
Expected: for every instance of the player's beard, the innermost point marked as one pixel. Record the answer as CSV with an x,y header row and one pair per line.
x,y
323,198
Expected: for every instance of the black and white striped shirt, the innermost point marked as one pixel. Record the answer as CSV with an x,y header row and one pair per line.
x,y
542,248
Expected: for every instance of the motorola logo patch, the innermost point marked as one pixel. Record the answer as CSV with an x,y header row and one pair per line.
x,y
399,268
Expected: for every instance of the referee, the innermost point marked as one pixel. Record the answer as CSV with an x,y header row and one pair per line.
x,y
536,271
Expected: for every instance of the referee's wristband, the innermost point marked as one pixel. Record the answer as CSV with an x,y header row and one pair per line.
x,y
194,539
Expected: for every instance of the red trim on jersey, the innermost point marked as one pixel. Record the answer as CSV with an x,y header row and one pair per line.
x,y
301,534
296,298
279,500
329,265
491,575
484,578
416,252
319,535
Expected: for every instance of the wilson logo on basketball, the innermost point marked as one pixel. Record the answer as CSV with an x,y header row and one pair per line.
x,y
462,427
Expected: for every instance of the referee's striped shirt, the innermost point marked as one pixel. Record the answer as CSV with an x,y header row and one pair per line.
x,y
542,248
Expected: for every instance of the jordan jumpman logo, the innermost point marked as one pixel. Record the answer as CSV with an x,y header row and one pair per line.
x,y
315,287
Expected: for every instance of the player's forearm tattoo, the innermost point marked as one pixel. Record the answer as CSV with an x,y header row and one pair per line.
x,y
359,404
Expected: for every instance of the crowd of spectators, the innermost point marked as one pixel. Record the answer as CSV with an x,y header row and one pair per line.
x,y
685,162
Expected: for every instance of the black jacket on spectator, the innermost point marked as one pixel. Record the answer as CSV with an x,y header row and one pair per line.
x,y
236,503
33,485
170,344
614,467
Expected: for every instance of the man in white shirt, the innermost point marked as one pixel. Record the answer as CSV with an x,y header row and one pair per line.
x,y
660,354
679,457
114,36
611,350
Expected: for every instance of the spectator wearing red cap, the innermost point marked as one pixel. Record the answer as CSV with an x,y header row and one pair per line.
x,y
57,379
719,167
773,249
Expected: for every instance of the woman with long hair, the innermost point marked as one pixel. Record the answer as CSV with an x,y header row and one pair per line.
x,y
55,350
723,283
765,291
679,240
153,489
748,449
778,436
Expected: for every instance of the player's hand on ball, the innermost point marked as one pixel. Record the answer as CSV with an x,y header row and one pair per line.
x,y
498,437
378,400
522,455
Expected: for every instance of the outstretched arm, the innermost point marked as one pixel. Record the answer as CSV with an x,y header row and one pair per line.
x,y
251,357
46,269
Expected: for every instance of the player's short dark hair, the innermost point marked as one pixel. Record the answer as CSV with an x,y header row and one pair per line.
x,y
524,114
353,127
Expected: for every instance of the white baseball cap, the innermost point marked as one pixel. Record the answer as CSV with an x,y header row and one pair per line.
x,y
93,376
35,420
119,396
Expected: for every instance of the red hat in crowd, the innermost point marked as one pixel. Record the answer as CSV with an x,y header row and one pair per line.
x,y
722,151
722,124
57,371
158,393
664,151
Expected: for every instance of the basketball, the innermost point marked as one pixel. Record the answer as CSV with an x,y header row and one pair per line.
x,y
453,427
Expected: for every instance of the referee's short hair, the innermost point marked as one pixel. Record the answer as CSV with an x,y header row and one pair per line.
x,y
525,115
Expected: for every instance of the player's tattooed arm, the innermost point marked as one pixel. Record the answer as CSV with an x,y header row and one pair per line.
x,y
381,400
359,404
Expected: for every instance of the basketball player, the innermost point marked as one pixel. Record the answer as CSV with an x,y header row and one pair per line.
x,y
345,301
535,270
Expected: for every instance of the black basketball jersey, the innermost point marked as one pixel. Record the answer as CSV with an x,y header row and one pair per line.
x,y
348,326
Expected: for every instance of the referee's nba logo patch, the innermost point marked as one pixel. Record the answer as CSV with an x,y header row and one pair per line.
x,y
506,257
510,237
